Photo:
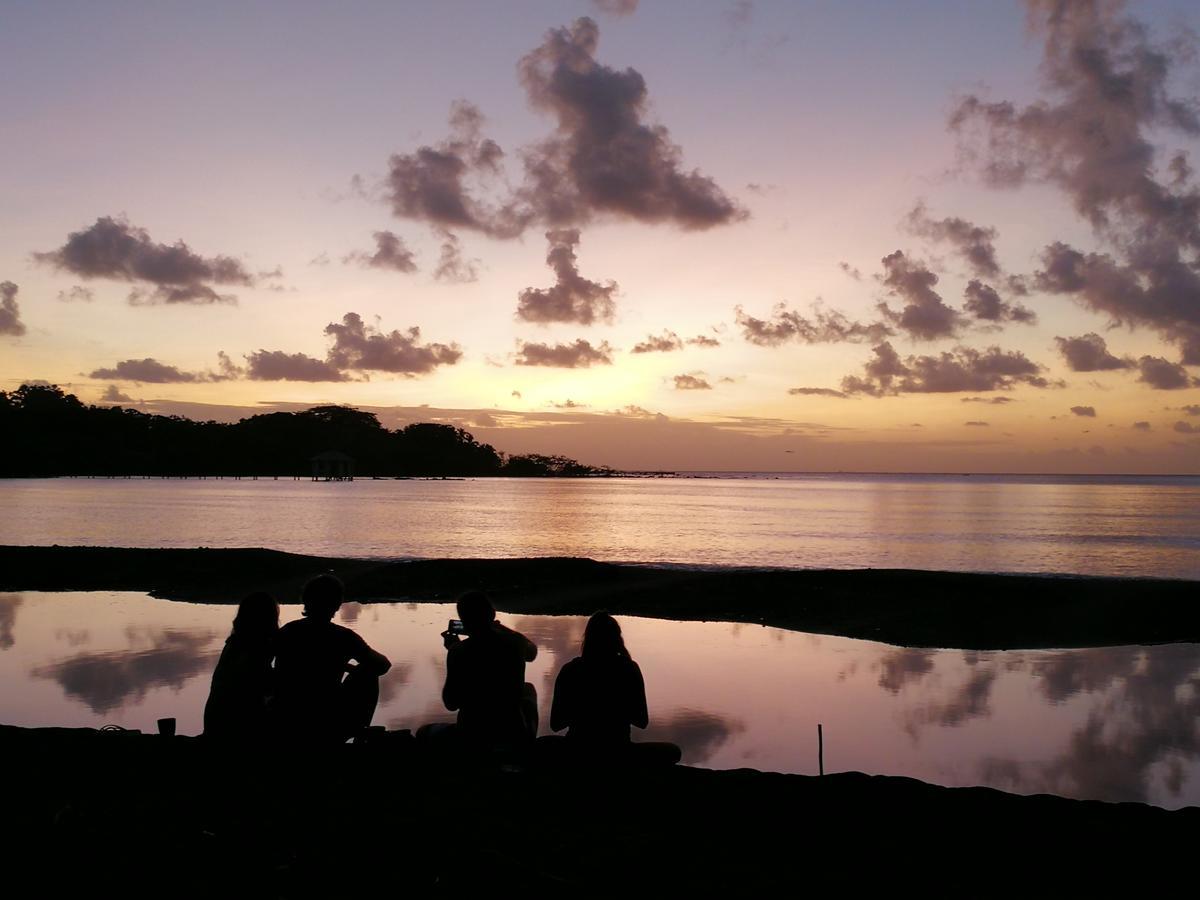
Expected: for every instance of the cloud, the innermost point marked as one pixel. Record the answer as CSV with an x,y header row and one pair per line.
x,y
825,327
698,734
147,371
974,243
1162,374
1086,411
275,365
77,294
986,305
113,394
9,603
1106,99
452,266
390,253
1186,428
569,404
616,7
996,401
692,382
816,392
573,298
703,340
963,369
924,316
850,270
1141,426
10,310
1192,409
114,249
1089,353
516,394
603,159
977,424
579,355
903,665
664,343
361,347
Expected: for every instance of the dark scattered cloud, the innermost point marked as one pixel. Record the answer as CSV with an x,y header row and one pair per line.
x,y
1092,135
151,371
77,294
114,249
113,394
694,381
825,327
850,270
698,734
816,392
390,253
1141,426
8,618
975,243
1191,409
703,340
1085,411
996,401
970,700
977,424
360,347
1089,353
616,7
452,265
963,369
579,355
10,310
573,298
275,365
664,343
902,666
1163,375
1186,427
569,404
924,316
986,305
602,158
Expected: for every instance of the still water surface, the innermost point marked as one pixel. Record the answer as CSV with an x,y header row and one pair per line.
x,y
1116,723
1131,526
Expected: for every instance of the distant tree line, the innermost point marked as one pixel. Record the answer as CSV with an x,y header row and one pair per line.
x,y
45,431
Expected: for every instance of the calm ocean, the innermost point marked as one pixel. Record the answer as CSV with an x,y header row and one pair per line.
x,y
1125,526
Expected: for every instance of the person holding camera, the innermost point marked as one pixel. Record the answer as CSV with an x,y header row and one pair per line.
x,y
485,678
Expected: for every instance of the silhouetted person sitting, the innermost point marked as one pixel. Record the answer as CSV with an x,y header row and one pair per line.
x,y
242,682
485,679
326,677
599,695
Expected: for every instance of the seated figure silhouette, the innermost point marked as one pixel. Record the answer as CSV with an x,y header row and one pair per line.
x,y
242,682
326,677
485,679
599,695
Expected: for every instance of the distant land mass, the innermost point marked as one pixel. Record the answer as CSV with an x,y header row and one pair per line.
x,y
48,432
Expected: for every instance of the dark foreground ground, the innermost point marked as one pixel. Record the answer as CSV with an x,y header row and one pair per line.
x,y
126,815
909,608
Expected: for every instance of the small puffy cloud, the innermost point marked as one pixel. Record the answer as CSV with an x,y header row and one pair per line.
x,y
113,394
10,310
1141,426
275,365
147,371
963,369
579,355
1186,427
358,346
569,404
390,253
986,305
1089,353
664,343
995,401
924,316
703,340
1085,411
975,243
114,249
452,265
850,270
977,424
825,327
616,7
77,294
693,381
816,392
1162,374
516,394
572,298
1192,409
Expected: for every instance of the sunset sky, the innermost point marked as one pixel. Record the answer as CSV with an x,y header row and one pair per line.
x,y
929,236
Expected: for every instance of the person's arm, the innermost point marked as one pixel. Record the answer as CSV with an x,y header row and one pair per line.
x,y
639,715
370,662
561,707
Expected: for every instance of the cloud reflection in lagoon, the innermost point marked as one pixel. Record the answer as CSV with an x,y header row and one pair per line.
x,y
1114,723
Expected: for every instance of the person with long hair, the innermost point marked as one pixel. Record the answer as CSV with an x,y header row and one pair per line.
x,y
600,695
242,681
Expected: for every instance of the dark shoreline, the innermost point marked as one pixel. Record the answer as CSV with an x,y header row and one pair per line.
x,y
903,607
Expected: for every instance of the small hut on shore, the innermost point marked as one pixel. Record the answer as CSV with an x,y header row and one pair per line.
x,y
332,465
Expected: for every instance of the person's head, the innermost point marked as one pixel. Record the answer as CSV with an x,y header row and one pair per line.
x,y
476,611
322,596
257,616
602,638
